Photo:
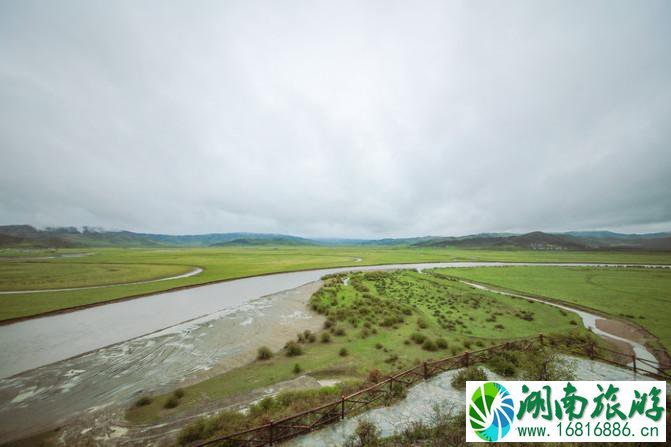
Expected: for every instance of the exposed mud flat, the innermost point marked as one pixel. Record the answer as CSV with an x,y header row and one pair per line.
x,y
96,387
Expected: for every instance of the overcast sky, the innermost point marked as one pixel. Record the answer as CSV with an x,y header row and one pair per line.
x,y
335,118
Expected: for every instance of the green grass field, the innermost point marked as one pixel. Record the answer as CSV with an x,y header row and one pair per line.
x,y
641,295
119,265
389,321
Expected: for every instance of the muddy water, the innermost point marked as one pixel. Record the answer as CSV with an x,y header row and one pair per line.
x,y
114,376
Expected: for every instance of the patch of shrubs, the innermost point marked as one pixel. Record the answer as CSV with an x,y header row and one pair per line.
x,y
173,400
293,349
429,345
418,338
504,363
325,337
470,373
264,353
339,331
143,401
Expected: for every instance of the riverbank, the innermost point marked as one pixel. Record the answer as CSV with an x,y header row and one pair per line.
x,y
221,264
98,387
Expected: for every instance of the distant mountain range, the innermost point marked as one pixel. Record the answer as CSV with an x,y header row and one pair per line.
x,y
27,236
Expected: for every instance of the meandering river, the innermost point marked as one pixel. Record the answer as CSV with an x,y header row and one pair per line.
x,y
58,365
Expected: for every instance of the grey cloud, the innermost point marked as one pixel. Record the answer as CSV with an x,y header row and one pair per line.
x,y
336,118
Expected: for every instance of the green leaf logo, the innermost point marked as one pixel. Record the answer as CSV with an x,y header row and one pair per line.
x,y
491,411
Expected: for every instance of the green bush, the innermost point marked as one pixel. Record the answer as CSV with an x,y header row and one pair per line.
x,y
470,373
264,353
441,343
429,345
293,349
178,393
297,369
365,435
325,337
418,338
143,401
343,352
504,363
172,402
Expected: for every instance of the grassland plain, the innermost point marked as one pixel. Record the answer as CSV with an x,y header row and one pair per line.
x,y
19,267
640,295
382,321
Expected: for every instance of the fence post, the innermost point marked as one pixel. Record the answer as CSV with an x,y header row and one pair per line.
x,y
466,359
540,338
270,437
342,407
634,357
425,370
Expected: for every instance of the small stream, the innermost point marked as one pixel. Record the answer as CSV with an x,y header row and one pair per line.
x,y
590,322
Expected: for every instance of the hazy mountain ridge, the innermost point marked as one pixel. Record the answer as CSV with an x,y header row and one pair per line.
x,y
71,237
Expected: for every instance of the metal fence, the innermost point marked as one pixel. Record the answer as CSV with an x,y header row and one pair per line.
x,y
304,422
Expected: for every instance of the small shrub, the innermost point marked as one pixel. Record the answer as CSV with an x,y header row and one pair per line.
x,y
418,338
504,363
172,402
422,324
378,346
297,369
365,435
312,338
339,332
143,401
264,353
374,376
391,359
441,343
293,349
499,326
470,373
429,345
178,393
343,352
325,337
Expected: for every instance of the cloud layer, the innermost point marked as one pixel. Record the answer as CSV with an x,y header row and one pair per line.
x,y
336,118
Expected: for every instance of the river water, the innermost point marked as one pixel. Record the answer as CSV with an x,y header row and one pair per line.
x,y
56,366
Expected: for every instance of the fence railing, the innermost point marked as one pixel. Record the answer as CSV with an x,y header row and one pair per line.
x,y
359,401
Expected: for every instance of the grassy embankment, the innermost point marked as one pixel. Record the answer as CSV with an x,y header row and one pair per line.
x,y
640,295
119,265
381,320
